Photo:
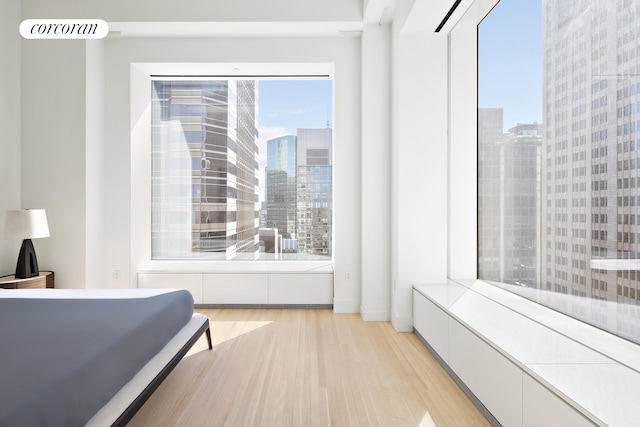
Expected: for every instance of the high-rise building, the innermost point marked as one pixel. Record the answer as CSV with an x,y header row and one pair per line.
x,y
247,176
205,169
280,185
591,93
509,209
315,191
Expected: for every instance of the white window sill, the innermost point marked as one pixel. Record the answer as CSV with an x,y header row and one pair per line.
x,y
230,267
625,316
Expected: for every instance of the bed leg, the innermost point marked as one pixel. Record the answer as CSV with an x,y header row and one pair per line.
x,y
208,332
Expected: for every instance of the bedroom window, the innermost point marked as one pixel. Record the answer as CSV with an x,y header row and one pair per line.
x,y
242,168
558,144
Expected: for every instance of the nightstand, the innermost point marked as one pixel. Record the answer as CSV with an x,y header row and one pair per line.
x,y
43,280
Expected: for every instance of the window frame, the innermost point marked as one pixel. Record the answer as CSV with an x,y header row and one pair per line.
x,y
142,75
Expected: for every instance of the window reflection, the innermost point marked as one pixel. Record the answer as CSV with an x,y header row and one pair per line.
x,y
558,155
211,197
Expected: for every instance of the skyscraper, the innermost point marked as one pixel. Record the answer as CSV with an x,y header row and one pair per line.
x,y
204,169
280,186
589,155
509,209
247,176
315,191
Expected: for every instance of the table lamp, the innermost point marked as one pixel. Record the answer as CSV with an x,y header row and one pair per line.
x,y
26,224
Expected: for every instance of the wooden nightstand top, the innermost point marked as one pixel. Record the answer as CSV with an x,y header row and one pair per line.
x,y
44,280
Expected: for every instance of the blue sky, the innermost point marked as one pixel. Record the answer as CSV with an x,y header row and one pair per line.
x,y
292,104
510,61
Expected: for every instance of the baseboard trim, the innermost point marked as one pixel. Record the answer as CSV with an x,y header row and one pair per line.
x,y
343,306
402,323
377,314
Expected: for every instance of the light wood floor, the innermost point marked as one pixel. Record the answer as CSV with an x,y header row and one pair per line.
x,y
307,368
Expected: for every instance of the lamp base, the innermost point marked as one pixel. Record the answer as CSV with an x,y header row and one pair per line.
x,y
27,261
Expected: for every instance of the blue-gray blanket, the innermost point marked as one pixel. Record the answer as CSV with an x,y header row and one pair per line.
x,y
61,360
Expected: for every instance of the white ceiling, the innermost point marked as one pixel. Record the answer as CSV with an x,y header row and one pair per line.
x,y
245,18
373,11
232,29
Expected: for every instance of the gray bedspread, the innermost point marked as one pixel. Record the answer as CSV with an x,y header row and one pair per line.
x,y
61,360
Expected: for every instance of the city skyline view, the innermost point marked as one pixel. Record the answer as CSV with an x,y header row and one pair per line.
x,y
210,158
287,105
558,143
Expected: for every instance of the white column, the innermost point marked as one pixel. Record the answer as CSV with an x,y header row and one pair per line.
x,y
463,153
96,207
419,171
376,173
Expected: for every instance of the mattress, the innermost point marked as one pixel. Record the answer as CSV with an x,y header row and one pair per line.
x,y
64,354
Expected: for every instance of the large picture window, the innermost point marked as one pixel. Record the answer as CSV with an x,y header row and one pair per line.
x,y
558,149
241,169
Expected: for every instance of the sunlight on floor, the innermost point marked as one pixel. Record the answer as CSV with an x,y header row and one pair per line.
x,y
229,329
426,421
235,328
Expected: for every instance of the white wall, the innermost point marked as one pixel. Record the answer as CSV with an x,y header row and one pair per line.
x,y
53,152
76,125
376,183
9,127
419,164
343,51
463,156
433,154
95,174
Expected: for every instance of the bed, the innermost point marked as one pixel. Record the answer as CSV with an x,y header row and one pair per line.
x,y
89,357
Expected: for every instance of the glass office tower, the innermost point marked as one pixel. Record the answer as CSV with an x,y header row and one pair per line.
x,y
509,209
204,170
280,186
315,191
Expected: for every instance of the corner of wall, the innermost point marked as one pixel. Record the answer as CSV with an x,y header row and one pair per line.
x,y
376,173
10,125
402,323
375,313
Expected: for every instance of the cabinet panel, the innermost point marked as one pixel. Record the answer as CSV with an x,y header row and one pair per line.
x,y
235,289
432,323
191,282
492,378
544,408
301,288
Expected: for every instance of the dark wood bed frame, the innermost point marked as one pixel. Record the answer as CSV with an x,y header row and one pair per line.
x,y
133,408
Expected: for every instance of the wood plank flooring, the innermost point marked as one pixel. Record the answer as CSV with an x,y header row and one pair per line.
x,y
273,367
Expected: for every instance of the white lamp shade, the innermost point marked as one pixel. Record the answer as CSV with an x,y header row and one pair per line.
x,y
26,224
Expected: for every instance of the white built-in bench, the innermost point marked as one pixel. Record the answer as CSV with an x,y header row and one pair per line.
x,y
245,283
526,364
